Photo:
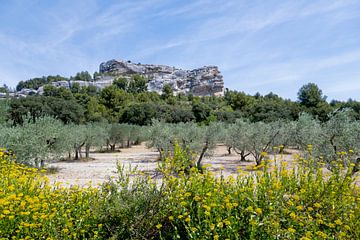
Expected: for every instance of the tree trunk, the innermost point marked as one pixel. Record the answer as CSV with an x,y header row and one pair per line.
x,y
281,150
42,163
198,164
112,147
258,160
36,161
78,150
160,154
76,154
243,156
356,167
87,151
229,150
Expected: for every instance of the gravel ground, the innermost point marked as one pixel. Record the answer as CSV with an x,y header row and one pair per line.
x,y
104,165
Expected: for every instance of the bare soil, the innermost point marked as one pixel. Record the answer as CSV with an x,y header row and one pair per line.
x,y
103,166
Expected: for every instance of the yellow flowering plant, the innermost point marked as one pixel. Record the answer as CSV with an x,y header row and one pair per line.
x,y
278,201
32,208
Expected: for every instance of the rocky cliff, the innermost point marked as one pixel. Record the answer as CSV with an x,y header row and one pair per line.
x,y
205,81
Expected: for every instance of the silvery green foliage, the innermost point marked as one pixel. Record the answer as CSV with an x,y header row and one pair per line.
x,y
95,136
188,136
123,134
260,138
223,136
78,137
9,136
235,136
354,137
284,137
196,140
209,137
247,138
325,141
133,134
136,134
114,135
306,131
34,143
291,135
4,106
160,137
74,139
337,136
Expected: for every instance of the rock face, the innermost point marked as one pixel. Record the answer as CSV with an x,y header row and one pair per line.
x,y
105,81
205,81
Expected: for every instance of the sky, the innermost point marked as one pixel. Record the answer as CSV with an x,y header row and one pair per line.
x,y
259,46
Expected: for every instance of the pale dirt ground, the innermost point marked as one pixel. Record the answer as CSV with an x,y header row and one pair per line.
x,y
104,165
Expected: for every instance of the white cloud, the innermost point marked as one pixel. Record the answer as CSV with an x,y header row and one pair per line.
x,y
232,34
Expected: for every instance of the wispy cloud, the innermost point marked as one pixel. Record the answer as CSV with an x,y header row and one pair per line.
x,y
259,45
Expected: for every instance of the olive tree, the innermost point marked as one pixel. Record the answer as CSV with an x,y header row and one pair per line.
x,y
196,140
122,134
260,138
188,136
34,143
114,132
337,137
159,136
95,136
76,139
354,139
136,135
326,141
235,137
305,131
209,137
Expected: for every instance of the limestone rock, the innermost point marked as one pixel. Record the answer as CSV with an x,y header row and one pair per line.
x,y
205,81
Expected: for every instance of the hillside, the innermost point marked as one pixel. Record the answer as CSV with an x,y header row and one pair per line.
x,y
204,81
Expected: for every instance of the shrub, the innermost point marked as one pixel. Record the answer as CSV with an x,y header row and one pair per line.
x,y
131,208
301,201
32,208
279,202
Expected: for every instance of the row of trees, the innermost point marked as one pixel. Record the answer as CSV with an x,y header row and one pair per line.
x,y
35,83
48,139
338,138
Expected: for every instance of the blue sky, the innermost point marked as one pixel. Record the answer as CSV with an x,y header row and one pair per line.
x,y
259,46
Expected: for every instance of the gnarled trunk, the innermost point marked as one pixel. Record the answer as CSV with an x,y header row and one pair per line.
x,y
205,148
87,151
229,150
